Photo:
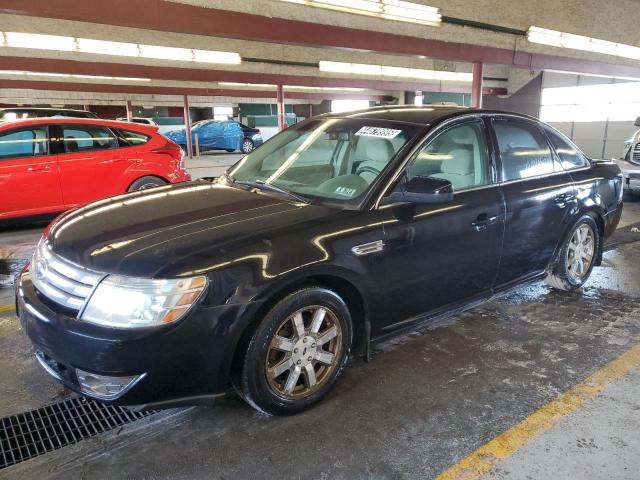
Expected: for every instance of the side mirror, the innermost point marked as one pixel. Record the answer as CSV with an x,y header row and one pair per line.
x,y
423,190
637,123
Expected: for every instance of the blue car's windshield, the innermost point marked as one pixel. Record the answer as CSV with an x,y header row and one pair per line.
x,y
336,159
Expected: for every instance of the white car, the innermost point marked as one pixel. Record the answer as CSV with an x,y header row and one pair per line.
x,y
164,124
630,161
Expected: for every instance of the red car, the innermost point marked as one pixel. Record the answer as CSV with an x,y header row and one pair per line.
x,y
49,165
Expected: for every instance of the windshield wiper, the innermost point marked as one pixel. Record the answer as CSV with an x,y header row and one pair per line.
x,y
262,185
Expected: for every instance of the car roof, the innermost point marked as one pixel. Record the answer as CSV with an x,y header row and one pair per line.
x,y
83,121
417,114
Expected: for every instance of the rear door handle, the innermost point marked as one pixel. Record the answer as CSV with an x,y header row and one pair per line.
x,y
483,221
563,199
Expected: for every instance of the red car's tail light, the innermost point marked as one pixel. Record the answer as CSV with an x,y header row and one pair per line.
x,y
172,149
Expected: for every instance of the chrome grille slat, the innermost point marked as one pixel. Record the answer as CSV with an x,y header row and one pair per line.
x,y
60,280
636,154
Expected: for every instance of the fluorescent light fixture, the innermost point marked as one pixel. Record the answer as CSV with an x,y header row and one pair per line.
x,y
104,47
36,40
246,85
67,75
398,72
292,87
211,56
398,10
338,106
554,38
121,49
166,53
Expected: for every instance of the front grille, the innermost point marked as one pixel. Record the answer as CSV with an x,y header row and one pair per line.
x,y
39,431
61,280
636,154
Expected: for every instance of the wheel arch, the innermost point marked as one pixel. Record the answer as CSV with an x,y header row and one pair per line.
x,y
343,287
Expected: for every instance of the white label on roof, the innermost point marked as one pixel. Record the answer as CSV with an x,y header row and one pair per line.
x,y
378,132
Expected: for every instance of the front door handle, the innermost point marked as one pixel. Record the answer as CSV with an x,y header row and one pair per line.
x,y
483,221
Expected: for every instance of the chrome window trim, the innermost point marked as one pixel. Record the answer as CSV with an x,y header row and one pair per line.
x,y
430,136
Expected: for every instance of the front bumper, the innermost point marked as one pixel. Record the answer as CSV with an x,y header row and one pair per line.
x,y
175,364
631,174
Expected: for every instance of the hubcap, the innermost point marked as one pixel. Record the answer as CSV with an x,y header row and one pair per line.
x,y
580,252
247,146
304,352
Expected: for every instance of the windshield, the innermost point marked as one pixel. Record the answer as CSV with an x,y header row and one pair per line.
x,y
335,159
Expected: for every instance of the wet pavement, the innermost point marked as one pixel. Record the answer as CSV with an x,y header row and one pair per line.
x,y
426,399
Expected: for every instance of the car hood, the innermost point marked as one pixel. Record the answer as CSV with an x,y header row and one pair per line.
x,y
174,230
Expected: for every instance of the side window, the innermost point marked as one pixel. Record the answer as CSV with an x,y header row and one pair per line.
x,y
523,149
32,142
569,154
458,154
84,138
134,138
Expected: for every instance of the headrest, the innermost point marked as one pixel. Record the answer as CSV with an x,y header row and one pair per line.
x,y
379,150
461,162
464,134
72,145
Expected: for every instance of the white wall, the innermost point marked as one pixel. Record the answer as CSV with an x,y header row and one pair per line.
x,y
599,139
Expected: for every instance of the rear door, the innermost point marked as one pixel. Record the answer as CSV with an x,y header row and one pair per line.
x,y
232,136
538,194
91,163
29,181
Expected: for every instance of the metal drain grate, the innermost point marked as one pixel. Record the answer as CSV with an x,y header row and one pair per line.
x,y
33,433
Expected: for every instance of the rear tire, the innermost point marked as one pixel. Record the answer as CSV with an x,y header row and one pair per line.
x,y
144,183
247,145
576,256
297,353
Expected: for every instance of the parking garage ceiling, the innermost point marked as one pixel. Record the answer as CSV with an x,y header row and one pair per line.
x,y
287,41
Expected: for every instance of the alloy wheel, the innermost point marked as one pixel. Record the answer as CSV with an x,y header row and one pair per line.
x,y
580,252
303,352
247,146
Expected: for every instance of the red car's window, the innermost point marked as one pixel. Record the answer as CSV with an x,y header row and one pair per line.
x,y
30,142
135,138
83,138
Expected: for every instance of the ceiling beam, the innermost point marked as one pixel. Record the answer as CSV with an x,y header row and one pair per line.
x,y
159,90
51,65
180,18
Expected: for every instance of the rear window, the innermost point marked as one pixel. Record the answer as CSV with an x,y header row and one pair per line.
x,y
134,138
569,154
32,142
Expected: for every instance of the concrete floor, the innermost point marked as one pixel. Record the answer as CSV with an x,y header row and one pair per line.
x,y
426,400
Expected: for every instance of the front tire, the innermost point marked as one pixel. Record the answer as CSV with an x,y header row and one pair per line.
x,y
297,353
576,257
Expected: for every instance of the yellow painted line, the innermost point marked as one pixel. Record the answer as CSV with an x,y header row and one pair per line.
x,y
7,308
489,455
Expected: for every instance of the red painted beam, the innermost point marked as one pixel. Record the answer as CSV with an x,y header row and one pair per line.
x,y
181,18
156,90
50,65
476,85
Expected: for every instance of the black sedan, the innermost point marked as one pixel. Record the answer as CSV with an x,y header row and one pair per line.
x,y
339,231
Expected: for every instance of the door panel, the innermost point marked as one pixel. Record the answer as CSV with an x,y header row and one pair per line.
x,y
538,201
233,136
440,254
91,164
29,180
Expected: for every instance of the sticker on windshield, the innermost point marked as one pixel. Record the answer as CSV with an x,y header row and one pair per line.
x,y
378,132
345,192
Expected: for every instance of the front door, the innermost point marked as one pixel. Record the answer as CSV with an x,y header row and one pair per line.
x,y
538,194
440,254
29,180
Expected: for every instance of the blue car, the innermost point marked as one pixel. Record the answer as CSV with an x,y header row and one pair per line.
x,y
219,135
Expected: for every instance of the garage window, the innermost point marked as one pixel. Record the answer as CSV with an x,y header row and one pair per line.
x,y
30,142
524,151
84,138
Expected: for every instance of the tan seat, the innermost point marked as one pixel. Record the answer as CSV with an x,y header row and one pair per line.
x,y
459,170
378,152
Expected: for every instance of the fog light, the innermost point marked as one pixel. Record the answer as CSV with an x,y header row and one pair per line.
x,y
104,387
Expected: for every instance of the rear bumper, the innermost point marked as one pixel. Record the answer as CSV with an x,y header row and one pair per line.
x,y
175,364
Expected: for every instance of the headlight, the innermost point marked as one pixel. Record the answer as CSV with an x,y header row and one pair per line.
x,y
125,302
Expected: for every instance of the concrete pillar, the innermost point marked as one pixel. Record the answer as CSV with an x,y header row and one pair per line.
x,y
281,113
187,126
129,111
476,86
